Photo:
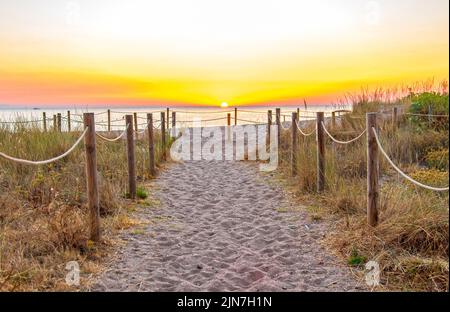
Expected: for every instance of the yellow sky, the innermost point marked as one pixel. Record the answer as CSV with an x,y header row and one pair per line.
x,y
200,52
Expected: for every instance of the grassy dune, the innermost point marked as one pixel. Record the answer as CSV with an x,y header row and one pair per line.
x,y
43,209
411,241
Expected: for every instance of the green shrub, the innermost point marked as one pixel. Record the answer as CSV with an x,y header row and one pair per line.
x,y
141,193
356,259
437,159
430,103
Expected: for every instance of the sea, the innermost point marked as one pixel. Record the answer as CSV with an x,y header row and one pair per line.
x,y
184,116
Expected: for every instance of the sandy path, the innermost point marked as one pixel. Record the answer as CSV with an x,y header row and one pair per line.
x,y
223,227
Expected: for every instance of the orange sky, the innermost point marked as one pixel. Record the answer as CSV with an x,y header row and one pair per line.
x,y
200,52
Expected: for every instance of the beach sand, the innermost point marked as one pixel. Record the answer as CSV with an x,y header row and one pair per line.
x,y
223,226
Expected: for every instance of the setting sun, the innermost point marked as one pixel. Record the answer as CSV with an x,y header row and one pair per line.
x,y
224,104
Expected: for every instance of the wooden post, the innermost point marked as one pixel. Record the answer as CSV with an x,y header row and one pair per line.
x,y
130,157
294,145
59,122
135,122
151,146
228,133
278,122
44,118
298,112
174,123
163,135
109,120
430,112
54,123
394,118
69,128
269,124
91,177
320,139
333,120
373,196
235,116
167,114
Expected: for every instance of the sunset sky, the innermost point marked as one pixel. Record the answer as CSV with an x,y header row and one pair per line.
x,y
205,52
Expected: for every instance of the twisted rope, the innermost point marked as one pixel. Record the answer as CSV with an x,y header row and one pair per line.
x,y
203,112
426,115
248,111
116,138
43,162
432,188
155,111
342,142
303,133
145,128
23,121
202,120
249,121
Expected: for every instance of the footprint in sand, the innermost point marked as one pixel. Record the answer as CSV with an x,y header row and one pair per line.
x,y
235,239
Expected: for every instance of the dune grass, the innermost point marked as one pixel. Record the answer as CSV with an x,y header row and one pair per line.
x,y
43,209
411,240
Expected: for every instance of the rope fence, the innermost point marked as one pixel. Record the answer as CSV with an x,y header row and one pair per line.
x,y
89,134
383,152
342,142
426,115
301,131
113,139
44,162
131,131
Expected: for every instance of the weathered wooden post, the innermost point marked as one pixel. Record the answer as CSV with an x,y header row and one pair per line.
x,y
91,177
69,127
235,116
278,122
269,124
394,118
54,123
333,120
430,112
298,112
130,157
167,114
228,133
163,136
136,128
373,196
109,119
44,119
320,139
59,121
174,123
151,146
294,145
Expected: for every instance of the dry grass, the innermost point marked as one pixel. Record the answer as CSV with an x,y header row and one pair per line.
x,y
411,241
43,209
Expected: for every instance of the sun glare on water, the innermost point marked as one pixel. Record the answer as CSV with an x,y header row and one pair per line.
x,y
224,104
